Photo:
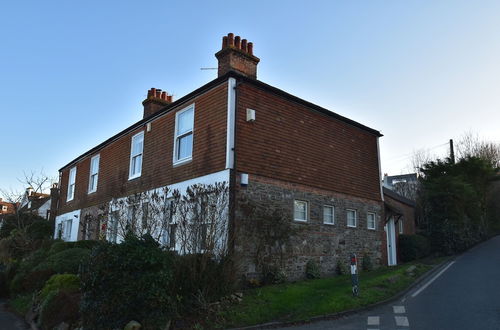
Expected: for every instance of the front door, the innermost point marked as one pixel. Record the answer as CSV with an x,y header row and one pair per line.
x,y
390,230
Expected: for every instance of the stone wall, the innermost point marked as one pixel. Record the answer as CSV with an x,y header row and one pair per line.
x,y
326,244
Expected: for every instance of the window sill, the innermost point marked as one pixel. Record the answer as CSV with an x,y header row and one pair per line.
x,y
182,161
329,224
134,177
371,228
91,192
351,226
300,220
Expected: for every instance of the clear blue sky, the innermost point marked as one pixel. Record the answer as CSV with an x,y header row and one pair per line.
x,y
73,73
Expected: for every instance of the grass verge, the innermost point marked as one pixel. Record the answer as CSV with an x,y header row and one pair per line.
x,y
303,300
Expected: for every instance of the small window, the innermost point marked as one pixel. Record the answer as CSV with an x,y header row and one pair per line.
x,y
300,211
400,226
183,139
351,218
370,220
94,173
136,151
71,184
328,215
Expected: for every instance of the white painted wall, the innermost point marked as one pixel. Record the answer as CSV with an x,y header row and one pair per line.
x,y
74,216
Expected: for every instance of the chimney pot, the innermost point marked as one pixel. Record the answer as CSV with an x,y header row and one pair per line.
x,y
250,48
163,95
237,55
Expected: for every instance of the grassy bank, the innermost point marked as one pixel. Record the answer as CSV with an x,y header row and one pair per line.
x,y
306,299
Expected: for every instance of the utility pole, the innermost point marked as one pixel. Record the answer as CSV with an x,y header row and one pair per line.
x,y
452,152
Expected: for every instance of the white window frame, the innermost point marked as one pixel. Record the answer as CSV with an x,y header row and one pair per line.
x,y
374,220
94,172
355,218
306,216
71,184
400,226
176,160
333,214
133,156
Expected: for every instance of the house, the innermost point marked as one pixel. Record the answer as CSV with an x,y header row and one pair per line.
x,y
404,184
399,219
6,207
36,203
319,169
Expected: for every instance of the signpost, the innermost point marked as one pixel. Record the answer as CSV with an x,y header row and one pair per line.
x,y
354,275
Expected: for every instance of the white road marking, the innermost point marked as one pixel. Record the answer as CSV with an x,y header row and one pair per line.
x,y
373,320
402,321
399,309
372,329
416,293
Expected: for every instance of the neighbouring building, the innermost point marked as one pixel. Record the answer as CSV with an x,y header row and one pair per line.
x,y
320,170
399,219
6,208
36,203
405,185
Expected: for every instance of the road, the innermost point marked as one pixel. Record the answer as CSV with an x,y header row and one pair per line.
x,y
9,321
463,294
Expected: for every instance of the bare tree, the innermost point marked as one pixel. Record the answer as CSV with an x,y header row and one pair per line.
x,y
470,144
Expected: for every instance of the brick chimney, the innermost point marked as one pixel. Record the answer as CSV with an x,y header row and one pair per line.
x,y
237,55
155,100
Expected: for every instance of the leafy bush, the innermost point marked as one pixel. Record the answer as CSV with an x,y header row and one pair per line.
x,y
67,261
68,282
60,246
127,281
312,269
199,279
412,247
341,268
59,306
41,229
273,275
31,281
367,263
37,268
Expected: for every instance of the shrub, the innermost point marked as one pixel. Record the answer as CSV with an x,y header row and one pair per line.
x,y
68,282
367,263
127,281
312,269
59,306
66,261
273,275
31,281
412,247
41,229
341,267
198,278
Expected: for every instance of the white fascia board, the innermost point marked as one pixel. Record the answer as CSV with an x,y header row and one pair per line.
x,y
231,115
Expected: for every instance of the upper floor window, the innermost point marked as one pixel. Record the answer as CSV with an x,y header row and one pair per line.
x,y
94,173
136,151
370,220
351,218
328,215
300,210
183,139
71,184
